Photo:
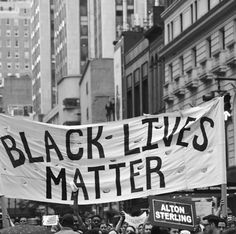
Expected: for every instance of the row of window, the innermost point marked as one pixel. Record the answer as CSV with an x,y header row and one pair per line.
x,y
9,44
16,33
11,8
188,16
17,66
17,54
209,54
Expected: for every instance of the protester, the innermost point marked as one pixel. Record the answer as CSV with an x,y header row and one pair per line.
x,y
211,223
103,228
147,228
173,231
67,225
140,229
222,224
96,222
23,220
130,230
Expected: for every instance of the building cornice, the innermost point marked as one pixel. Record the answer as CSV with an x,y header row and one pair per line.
x,y
222,10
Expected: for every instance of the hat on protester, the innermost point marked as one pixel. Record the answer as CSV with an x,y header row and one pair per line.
x,y
67,220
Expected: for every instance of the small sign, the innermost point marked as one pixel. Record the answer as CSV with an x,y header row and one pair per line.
x,y
175,213
50,220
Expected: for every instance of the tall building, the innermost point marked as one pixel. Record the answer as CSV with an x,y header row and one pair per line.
x,y
43,80
15,55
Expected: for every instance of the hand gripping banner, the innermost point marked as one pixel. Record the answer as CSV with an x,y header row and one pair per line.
x,y
108,162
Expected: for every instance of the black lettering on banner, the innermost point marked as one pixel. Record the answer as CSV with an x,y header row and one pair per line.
x,y
203,146
181,132
15,162
133,174
95,142
156,170
149,145
126,142
81,184
117,167
167,140
49,146
70,155
60,178
96,179
27,150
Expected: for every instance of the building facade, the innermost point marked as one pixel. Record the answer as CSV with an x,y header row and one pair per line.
x,y
15,55
97,92
43,80
199,54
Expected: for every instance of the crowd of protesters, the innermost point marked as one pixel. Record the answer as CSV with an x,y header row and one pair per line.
x,y
70,224
73,223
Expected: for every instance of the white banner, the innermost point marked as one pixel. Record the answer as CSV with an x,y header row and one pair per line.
x,y
114,161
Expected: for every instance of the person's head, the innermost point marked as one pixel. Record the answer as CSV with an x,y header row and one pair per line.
x,y
147,228
222,225
174,231
109,226
103,228
210,222
140,228
23,220
130,230
96,221
67,221
113,231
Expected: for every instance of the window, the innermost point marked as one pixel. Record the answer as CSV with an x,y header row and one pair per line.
x,y
170,72
26,55
8,43
144,70
9,65
26,66
8,54
16,33
87,88
16,22
136,76
181,22
7,21
25,10
208,5
25,22
16,43
194,57
26,33
26,44
129,81
83,8
168,32
196,10
8,33
17,66
209,47
191,9
181,65
171,30
87,113
222,38
16,55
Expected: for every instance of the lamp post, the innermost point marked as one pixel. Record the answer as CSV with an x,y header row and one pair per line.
x,y
227,111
